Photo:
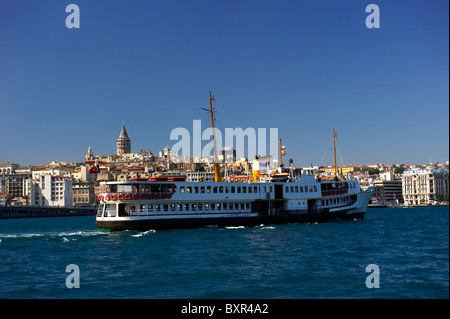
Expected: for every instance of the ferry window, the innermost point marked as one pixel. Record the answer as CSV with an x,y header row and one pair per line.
x,y
230,206
194,207
242,206
142,208
202,189
219,206
227,189
213,206
186,207
232,189
224,205
287,189
292,189
250,189
200,206
264,189
180,207
296,189
301,189
195,189
310,188
244,189
189,189
215,189
270,189
166,207
206,206
247,205
150,207
208,189
182,189
315,188
236,206
238,189
255,189
172,207
323,202
157,207
220,189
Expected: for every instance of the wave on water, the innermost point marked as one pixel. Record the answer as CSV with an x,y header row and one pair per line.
x,y
49,236
235,227
150,231
262,226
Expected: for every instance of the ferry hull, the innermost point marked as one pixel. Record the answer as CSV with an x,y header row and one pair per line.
x,y
142,224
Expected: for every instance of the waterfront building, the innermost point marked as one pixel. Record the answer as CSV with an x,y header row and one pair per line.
x,y
50,171
49,190
83,174
123,142
13,184
424,186
344,169
8,168
83,193
3,199
389,190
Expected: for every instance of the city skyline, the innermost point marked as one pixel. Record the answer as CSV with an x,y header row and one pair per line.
x,y
304,68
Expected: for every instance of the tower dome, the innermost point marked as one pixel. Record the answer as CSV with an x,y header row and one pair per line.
x,y
123,142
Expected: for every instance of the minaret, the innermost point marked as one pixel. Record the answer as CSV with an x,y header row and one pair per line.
x,y
89,156
123,142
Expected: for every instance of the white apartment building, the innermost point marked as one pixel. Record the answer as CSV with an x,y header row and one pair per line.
x,y
424,186
49,190
50,171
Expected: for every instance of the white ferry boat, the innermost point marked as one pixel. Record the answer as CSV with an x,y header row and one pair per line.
x,y
265,197
143,205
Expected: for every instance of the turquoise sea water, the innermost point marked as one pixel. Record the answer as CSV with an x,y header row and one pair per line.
x,y
295,261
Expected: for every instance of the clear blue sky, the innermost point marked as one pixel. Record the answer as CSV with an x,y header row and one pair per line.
x,y
304,67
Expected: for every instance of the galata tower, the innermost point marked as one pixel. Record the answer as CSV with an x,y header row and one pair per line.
x,y
123,142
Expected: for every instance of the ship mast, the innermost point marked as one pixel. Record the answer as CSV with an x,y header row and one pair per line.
x,y
217,174
334,146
